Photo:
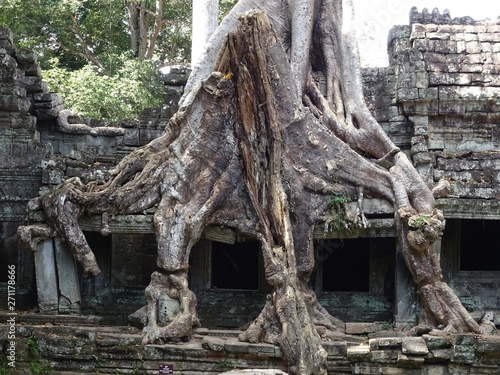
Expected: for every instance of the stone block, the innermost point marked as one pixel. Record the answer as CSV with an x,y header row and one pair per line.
x,y
407,94
262,349
438,35
14,103
383,356
7,62
390,342
69,285
471,68
25,56
421,45
421,80
495,47
489,347
358,353
171,90
461,46
49,113
373,343
35,84
175,75
6,34
232,345
443,46
31,69
147,135
473,47
417,35
422,158
465,354
213,343
131,137
464,339
439,355
335,348
414,345
47,100
410,361
428,93
12,89
358,328
436,342
455,79
450,107
489,37
46,278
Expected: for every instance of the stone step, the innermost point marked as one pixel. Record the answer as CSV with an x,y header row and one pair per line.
x,y
74,320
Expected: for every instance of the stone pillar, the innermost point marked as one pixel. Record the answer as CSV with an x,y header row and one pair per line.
x,y
57,285
69,286
46,278
405,306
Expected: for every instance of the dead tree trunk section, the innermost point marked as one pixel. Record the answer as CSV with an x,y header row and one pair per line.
x,y
261,136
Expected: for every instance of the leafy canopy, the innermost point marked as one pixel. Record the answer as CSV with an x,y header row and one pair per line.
x,y
85,49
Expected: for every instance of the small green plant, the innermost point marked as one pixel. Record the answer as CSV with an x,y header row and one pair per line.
x,y
338,199
386,326
37,365
420,221
228,365
4,367
337,210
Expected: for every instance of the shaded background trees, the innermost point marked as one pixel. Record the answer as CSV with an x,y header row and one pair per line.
x,y
107,50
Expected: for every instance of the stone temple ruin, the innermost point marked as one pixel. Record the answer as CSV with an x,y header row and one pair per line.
x,y
439,99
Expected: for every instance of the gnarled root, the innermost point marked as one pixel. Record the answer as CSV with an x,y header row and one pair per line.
x,y
425,229
442,306
30,236
175,286
287,320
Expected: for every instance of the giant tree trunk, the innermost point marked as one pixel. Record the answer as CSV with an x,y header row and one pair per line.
x,y
259,147
204,23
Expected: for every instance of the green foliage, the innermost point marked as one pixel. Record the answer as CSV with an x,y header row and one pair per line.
x,y
418,222
336,204
337,200
73,37
76,31
36,364
225,6
227,365
63,28
127,87
4,367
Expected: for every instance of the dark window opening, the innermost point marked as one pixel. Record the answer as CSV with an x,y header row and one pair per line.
x,y
101,247
479,245
346,265
235,266
133,259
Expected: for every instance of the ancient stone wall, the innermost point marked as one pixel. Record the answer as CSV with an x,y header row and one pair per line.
x,y
438,100
50,345
444,76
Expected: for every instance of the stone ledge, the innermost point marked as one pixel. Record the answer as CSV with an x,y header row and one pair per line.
x,y
108,349
80,320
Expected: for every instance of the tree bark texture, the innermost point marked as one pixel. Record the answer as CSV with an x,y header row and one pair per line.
x,y
205,22
260,147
